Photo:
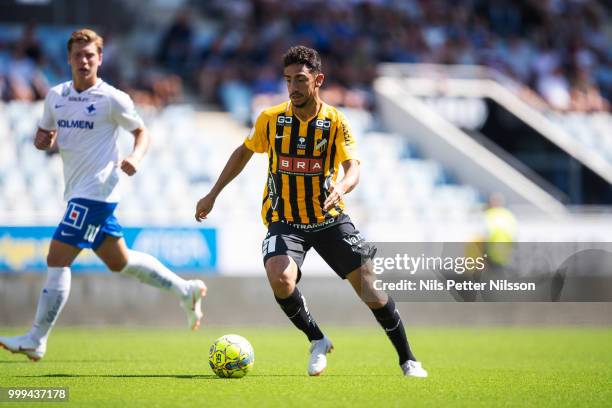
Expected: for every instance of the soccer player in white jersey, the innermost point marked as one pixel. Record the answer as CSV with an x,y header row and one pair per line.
x,y
82,117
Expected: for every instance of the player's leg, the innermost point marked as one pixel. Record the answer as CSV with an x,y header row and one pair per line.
x,y
348,254
284,252
113,251
282,272
386,314
51,301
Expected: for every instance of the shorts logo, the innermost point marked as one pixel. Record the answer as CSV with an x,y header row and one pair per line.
x,y
354,239
300,165
75,215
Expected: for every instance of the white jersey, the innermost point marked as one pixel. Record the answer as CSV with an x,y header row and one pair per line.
x,y
87,129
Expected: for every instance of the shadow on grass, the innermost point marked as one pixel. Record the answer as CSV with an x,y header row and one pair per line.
x,y
188,377
181,376
49,361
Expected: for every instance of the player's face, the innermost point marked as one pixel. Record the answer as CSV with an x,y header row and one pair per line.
x,y
84,60
302,84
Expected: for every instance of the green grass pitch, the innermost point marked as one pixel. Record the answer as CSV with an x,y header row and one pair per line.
x,y
468,367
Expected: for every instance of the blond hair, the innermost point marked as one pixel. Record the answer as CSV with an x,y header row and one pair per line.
x,y
86,36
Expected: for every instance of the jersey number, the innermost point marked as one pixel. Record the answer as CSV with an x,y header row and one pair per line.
x,y
92,231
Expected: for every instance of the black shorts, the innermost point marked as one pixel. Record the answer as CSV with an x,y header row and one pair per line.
x,y
337,241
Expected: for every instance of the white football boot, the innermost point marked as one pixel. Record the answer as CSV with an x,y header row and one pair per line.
x,y
24,345
413,369
318,358
192,303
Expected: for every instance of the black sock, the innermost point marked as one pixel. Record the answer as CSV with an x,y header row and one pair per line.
x,y
296,310
390,320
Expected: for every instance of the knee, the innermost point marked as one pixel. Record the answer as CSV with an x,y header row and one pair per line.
x,y
116,265
281,275
363,282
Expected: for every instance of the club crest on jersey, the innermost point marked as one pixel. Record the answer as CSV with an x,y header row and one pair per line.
x,y
90,110
321,145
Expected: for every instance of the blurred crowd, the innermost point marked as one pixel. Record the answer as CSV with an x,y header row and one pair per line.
x,y
228,52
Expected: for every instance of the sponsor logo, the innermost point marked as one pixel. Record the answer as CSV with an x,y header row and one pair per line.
x,y
322,124
353,239
58,106
348,137
313,226
279,137
284,120
272,193
75,124
300,165
66,234
78,99
75,215
301,143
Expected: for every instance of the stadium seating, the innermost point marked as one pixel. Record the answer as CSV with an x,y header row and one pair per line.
x,y
594,130
189,150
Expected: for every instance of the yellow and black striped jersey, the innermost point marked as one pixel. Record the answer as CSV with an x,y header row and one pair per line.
x,y
304,157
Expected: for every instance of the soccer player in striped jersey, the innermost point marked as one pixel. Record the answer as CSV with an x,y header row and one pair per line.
x,y
82,118
307,141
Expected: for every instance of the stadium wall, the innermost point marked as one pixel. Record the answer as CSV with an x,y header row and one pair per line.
x,y
116,300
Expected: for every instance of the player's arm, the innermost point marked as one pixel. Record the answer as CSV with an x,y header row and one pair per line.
x,y
46,135
45,139
344,186
239,158
124,114
345,144
141,143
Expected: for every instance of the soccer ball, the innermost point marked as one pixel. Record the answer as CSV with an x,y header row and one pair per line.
x,y
231,356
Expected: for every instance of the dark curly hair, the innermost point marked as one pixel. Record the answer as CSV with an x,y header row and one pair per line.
x,y
304,56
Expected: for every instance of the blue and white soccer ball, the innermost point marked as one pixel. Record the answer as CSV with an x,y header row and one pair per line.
x,y
231,356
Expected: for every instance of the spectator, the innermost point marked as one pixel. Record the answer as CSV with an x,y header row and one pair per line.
x,y
175,51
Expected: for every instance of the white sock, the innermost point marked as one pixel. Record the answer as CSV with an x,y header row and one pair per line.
x,y
52,299
149,270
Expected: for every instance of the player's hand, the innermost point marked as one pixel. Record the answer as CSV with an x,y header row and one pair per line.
x,y
44,139
129,165
334,195
204,207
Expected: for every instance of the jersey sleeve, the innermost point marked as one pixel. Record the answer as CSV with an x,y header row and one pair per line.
x,y
345,141
257,140
47,122
124,113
